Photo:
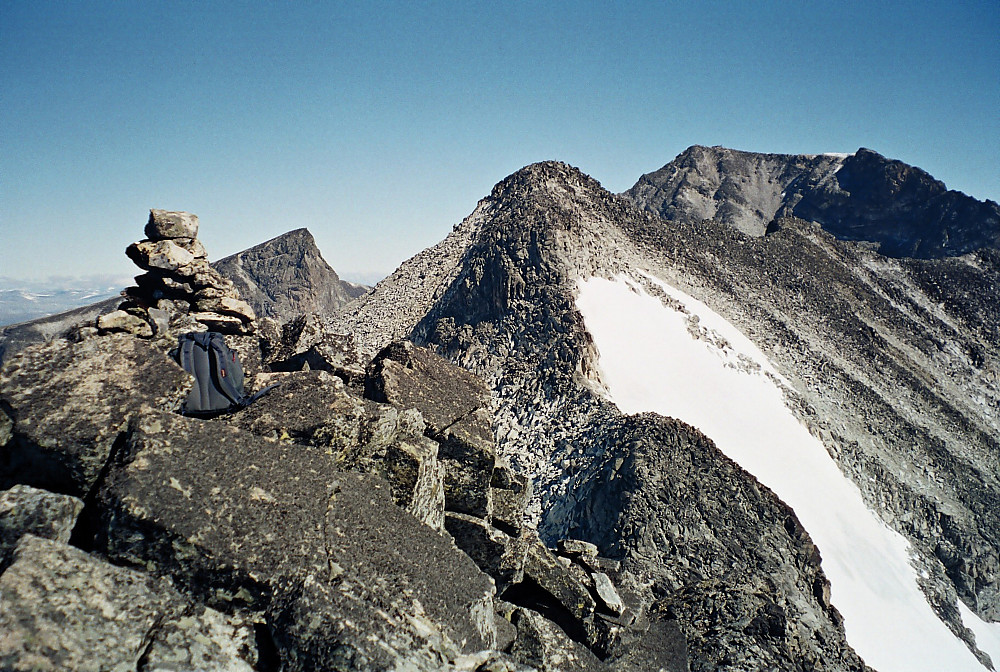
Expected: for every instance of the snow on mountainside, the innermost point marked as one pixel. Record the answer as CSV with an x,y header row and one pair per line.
x,y
677,357
891,363
20,302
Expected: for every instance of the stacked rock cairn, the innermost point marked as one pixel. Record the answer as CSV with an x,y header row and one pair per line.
x,y
178,285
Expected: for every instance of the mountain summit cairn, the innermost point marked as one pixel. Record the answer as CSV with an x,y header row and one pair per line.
x,y
178,283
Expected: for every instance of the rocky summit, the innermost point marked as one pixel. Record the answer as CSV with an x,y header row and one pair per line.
x,y
480,466
286,277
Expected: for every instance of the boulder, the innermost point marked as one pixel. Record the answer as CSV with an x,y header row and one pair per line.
x,y
166,224
543,645
509,495
313,408
26,510
63,609
70,402
226,305
493,551
454,404
661,647
306,342
123,321
224,324
544,569
162,255
606,591
337,569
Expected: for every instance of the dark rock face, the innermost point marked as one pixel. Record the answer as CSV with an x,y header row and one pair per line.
x,y
863,197
313,408
286,277
454,404
339,570
901,207
70,402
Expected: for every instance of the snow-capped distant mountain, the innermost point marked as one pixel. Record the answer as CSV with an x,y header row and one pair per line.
x,y
880,374
21,301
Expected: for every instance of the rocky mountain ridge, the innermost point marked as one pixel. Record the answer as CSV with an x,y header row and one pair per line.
x,y
503,307
567,535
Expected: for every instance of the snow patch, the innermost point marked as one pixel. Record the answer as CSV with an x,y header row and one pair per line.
x,y
655,356
987,634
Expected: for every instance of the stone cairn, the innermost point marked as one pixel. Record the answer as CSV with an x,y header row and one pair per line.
x,y
178,285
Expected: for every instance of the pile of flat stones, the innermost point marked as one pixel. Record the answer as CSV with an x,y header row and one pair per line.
x,y
178,283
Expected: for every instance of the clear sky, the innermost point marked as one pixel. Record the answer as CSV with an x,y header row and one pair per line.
x,y
379,125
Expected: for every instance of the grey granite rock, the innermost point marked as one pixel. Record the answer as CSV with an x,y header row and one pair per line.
x,y
454,403
63,609
544,646
159,255
315,409
69,403
26,510
165,224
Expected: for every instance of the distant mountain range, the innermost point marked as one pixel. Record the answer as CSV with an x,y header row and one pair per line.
x,y
22,301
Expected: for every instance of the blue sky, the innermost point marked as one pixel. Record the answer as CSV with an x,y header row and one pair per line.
x,y
379,125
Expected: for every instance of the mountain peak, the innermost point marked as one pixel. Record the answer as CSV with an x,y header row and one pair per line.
x,y
862,196
285,277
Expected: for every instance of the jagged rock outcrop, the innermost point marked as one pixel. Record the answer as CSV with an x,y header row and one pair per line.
x,y
26,510
454,404
862,196
305,343
337,568
286,277
497,296
313,408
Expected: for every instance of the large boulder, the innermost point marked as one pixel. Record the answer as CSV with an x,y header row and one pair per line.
x,y
69,403
306,342
340,573
63,609
314,408
455,405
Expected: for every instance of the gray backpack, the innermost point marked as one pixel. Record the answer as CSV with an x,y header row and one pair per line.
x,y
218,375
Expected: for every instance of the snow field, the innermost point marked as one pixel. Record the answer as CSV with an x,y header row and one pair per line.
x,y
651,361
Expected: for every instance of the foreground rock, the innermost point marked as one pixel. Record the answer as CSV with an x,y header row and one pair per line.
x,y
338,571
26,510
314,408
454,403
121,620
70,402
